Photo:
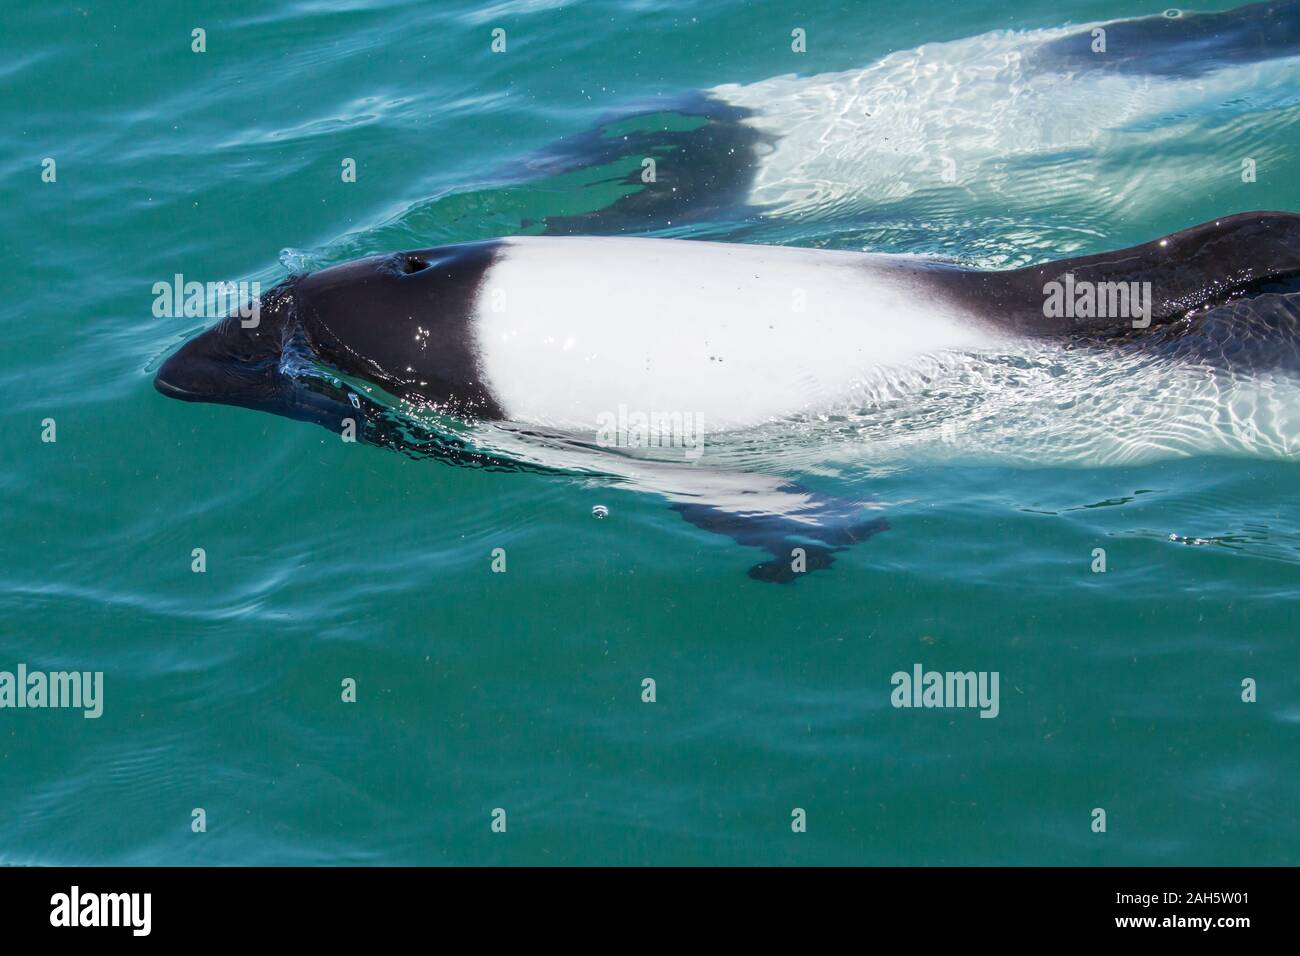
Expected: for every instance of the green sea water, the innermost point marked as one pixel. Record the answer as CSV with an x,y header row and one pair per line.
x,y
523,691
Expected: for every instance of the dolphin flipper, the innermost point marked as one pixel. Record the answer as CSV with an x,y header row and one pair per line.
x,y
801,529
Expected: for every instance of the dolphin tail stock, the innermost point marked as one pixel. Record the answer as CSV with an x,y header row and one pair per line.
x,y
1152,284
1182,44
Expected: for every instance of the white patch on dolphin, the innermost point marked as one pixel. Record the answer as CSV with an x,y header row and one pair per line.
x,y
569,329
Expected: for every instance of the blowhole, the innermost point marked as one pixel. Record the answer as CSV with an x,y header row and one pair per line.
x,y
412,264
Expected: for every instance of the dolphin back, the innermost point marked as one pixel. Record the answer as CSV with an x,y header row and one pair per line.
x,y
1155,283
1179,44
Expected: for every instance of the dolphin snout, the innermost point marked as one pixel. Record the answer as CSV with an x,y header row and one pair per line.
x,y
228,363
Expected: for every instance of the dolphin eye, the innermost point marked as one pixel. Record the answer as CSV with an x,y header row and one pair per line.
x,y
412,264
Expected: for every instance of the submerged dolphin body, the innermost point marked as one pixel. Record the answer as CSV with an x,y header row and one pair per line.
x,y
1002,119
552,337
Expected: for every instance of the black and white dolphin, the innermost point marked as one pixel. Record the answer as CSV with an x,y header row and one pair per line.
x,y
551,336
557,331
540,338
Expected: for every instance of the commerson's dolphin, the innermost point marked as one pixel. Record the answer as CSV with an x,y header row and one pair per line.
x,y
563,349
592,337
562,332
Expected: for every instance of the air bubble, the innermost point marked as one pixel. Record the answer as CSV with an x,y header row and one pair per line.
x,y
295,260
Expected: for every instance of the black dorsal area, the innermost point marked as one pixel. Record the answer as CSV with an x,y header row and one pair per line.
x,y
1178,44
1132,289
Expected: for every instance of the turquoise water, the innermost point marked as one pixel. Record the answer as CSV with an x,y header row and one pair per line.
x,y
522,690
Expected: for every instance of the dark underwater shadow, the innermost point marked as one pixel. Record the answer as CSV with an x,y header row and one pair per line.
x,y
799,528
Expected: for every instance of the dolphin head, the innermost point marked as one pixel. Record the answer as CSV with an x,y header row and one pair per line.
x,y
401,321
236,361
245,361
